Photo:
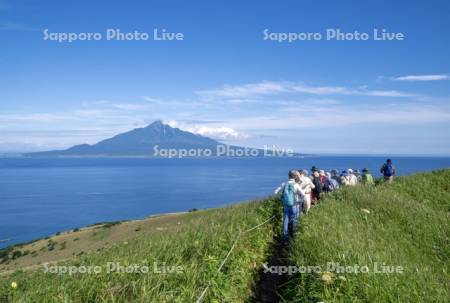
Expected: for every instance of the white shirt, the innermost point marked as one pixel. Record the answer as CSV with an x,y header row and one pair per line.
x,y
353,180
306,184
299,192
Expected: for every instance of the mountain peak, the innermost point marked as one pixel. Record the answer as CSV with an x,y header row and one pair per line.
x,y
158,127
139,141
157,124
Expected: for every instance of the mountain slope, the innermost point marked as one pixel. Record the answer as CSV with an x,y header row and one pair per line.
x,y
138,142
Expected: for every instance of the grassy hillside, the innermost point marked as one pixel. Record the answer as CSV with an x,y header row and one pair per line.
x,y
189,251
406,224
66,245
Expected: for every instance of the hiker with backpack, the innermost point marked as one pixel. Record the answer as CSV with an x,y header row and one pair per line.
x,y
332,183
346,179
388,170
367,178
292,197
357,175
335,176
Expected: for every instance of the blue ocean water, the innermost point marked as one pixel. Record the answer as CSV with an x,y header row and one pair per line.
x,y
39,197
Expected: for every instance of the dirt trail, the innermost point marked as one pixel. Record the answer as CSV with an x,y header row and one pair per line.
x,y
269,286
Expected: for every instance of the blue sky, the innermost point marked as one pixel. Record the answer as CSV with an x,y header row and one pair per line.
x,y
224,80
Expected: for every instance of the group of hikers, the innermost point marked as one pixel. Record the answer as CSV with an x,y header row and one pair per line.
x,y
302,190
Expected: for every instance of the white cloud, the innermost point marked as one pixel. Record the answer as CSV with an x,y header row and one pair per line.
x,y
340,118
339,90
219,133
131,106
246,112
33,117
323,90
387,93
246,90
422,78
238,92
152,100
7,26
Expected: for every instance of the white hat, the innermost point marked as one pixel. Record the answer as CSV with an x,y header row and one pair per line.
x,y
350,171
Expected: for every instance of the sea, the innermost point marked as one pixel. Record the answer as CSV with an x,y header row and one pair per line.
x,y
39,197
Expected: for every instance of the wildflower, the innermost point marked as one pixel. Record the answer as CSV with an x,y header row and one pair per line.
x,y
365,210
14,285
327,278
342,278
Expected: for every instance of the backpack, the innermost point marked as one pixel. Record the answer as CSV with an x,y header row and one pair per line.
x,y
318,185
327,186
332,184
388,170
288,197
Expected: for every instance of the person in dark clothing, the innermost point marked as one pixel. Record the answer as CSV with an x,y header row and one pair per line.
x,y
335,176
326,185
318,187
388,170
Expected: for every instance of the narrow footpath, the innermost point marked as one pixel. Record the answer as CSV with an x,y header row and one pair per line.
x,y
269,286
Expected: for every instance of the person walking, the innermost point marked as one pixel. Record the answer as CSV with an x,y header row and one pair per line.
x,y
351,178
291,197
367,178
318,187
388,170
357,175
335,176
333,183
345,181
307,185
327,187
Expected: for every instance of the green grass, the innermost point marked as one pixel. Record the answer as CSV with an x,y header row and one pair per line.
x,y
405,224
408,225
197,243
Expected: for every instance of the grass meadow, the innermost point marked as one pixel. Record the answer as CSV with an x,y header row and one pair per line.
x,y
197,246
405,224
